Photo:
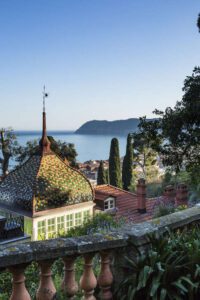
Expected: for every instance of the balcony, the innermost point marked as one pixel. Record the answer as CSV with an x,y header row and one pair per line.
x,y
109,249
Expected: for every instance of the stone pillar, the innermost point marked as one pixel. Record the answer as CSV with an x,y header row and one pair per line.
x,y
141,196
46,290
105,278
182,194
19,290
69,284
88,280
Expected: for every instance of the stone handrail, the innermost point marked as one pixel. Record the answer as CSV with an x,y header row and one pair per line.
x,y
16,258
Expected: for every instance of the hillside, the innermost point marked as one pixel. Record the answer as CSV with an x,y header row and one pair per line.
x,y
118,127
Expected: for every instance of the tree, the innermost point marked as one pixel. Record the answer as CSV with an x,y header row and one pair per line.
x,y
101,176
144,144
198,22
180,127
65,151
8,148
176,133
114,164
127,167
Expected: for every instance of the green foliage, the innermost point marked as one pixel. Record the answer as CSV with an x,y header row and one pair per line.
x,y
154,189
101,176
8,148
127,167
163,210
176,133
64,150
144,141
100,223
169,269
114,164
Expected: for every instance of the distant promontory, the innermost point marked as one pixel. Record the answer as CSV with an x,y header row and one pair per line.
x,y
118,127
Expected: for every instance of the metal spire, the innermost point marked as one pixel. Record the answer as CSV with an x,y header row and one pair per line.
x,y
44,143
45,95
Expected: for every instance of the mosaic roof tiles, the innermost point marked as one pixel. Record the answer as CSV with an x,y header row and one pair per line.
x,y
47,181
17,188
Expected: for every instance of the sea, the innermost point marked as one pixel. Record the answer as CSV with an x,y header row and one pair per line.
x,y
88,147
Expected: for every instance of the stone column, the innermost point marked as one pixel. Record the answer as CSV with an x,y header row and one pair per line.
x,y
141,196
88,280
105,278
46,290
69,284
19,291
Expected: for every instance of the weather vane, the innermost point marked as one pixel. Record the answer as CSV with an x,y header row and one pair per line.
x,y
45,95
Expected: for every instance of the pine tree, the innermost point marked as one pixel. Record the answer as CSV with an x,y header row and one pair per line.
x,y
127,168
101,176
114,164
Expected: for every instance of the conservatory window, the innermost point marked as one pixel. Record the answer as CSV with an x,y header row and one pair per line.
x,y
78,219
69,221
86,215
51,228
109,203
41,230
61,225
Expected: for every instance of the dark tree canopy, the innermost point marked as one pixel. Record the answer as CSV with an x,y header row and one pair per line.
x,y
114,164
176,133
101,176
127,167
8,148
65,151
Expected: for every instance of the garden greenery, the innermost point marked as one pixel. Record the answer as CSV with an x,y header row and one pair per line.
x,y
168,270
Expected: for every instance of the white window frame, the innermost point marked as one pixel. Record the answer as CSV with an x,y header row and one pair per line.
x,y
69,220
78,221
41,228
110,203
60,226
51,233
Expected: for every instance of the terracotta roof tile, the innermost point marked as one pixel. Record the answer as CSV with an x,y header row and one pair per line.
x,y
126,203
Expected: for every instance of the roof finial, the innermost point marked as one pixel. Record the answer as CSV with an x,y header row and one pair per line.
x,y
45,95
45,143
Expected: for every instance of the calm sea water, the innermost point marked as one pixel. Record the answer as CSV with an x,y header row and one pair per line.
x,y
87,146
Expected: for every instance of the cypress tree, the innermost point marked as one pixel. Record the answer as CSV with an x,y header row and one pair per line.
x,y
127,168
101,176
114,164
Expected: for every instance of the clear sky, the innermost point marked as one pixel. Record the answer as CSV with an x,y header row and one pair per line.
x,y
99,59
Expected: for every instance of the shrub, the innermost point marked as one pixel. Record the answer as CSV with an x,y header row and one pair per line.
x,y
170,269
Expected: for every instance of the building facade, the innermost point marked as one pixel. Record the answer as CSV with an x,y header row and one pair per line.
x,y
51,195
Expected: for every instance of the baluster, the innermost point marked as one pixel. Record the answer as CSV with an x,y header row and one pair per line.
x,y
105,278
88,281
69,284
19,290
46,290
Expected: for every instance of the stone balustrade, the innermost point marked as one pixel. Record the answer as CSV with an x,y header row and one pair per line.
x,y
109,248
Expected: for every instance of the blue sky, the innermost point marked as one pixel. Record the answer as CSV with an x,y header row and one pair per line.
x,y
99,59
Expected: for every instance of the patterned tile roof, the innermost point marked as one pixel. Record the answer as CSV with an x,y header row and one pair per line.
x,y
44,182
126,203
